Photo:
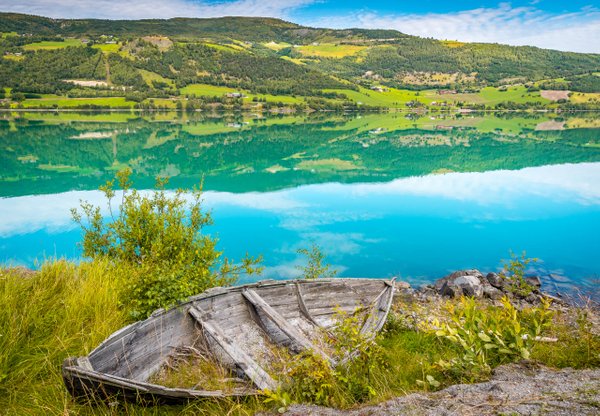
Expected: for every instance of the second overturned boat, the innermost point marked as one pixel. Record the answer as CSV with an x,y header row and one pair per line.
x,y
238,326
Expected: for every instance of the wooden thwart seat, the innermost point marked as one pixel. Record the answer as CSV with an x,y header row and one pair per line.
x,y
292,332
250,367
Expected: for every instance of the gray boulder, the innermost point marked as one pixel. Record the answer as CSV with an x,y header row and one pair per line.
x,y
462,282
495,280
534,281
490,292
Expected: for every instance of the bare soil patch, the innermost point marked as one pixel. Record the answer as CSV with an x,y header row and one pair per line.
x,y
550,125
162,42
555,95
87,83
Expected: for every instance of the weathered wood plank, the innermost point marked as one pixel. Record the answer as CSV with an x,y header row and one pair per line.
x,y
250,367
379,311
303,309
293,333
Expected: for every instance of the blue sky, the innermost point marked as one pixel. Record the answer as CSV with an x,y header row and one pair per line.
x,y
572,25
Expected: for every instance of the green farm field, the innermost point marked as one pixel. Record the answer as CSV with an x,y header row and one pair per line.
x,y
393,98
108,47
149,77
50,45
64,102
218,91
329,50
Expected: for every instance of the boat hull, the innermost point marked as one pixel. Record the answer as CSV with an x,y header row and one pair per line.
x,y
238,325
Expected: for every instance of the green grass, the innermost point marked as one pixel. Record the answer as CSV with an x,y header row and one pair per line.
x,y
584,97
225,48
277,46
396,98
67,310
64,310
519,94
108,48
206,129
149,76
58,168
393,98
163,102
60,117
330,50
64,102
13,57
50,45
218,91
206,90
389,122
327,165
294,60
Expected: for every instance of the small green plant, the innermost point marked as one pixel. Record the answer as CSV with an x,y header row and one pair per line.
x,y
577,343
514,274
156,240
279,398
429,382
316,266
488,336
312,379
356,370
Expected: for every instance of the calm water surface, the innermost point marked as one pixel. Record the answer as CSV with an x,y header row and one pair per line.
x,y
383,195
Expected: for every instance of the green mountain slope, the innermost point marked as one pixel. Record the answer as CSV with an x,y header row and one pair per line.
x,y
159,58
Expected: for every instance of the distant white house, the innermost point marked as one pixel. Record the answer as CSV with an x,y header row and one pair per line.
x,y
379,88
234,95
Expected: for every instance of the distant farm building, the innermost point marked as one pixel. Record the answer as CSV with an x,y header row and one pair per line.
x,y
379,88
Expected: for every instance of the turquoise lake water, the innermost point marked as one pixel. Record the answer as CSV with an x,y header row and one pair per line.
x,y
416,201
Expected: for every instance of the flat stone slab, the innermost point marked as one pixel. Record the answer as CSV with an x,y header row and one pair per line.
x,y
514,389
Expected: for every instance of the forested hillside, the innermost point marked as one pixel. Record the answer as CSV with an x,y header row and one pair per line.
x,y
268,60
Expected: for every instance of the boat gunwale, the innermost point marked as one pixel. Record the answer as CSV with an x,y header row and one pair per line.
x,y
221,291
151,388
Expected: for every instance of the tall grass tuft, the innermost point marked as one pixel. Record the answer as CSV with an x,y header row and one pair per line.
x,y
64,309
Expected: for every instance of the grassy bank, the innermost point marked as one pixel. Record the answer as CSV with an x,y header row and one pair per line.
x,y
68,309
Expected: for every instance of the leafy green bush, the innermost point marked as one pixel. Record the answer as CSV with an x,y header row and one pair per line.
x,y
514,274
156,240
312,379
359,356
487,336
316,267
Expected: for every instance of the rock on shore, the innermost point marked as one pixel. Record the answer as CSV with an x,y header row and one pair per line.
x,y
489,286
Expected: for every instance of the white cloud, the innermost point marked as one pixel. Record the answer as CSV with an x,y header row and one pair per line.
x,y
576,183
577,31
272,201
140,9
307,209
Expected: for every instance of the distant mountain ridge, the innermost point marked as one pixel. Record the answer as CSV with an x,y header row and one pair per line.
x,y
242,28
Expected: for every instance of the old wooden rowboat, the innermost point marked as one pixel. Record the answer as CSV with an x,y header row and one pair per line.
x,y
238,325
